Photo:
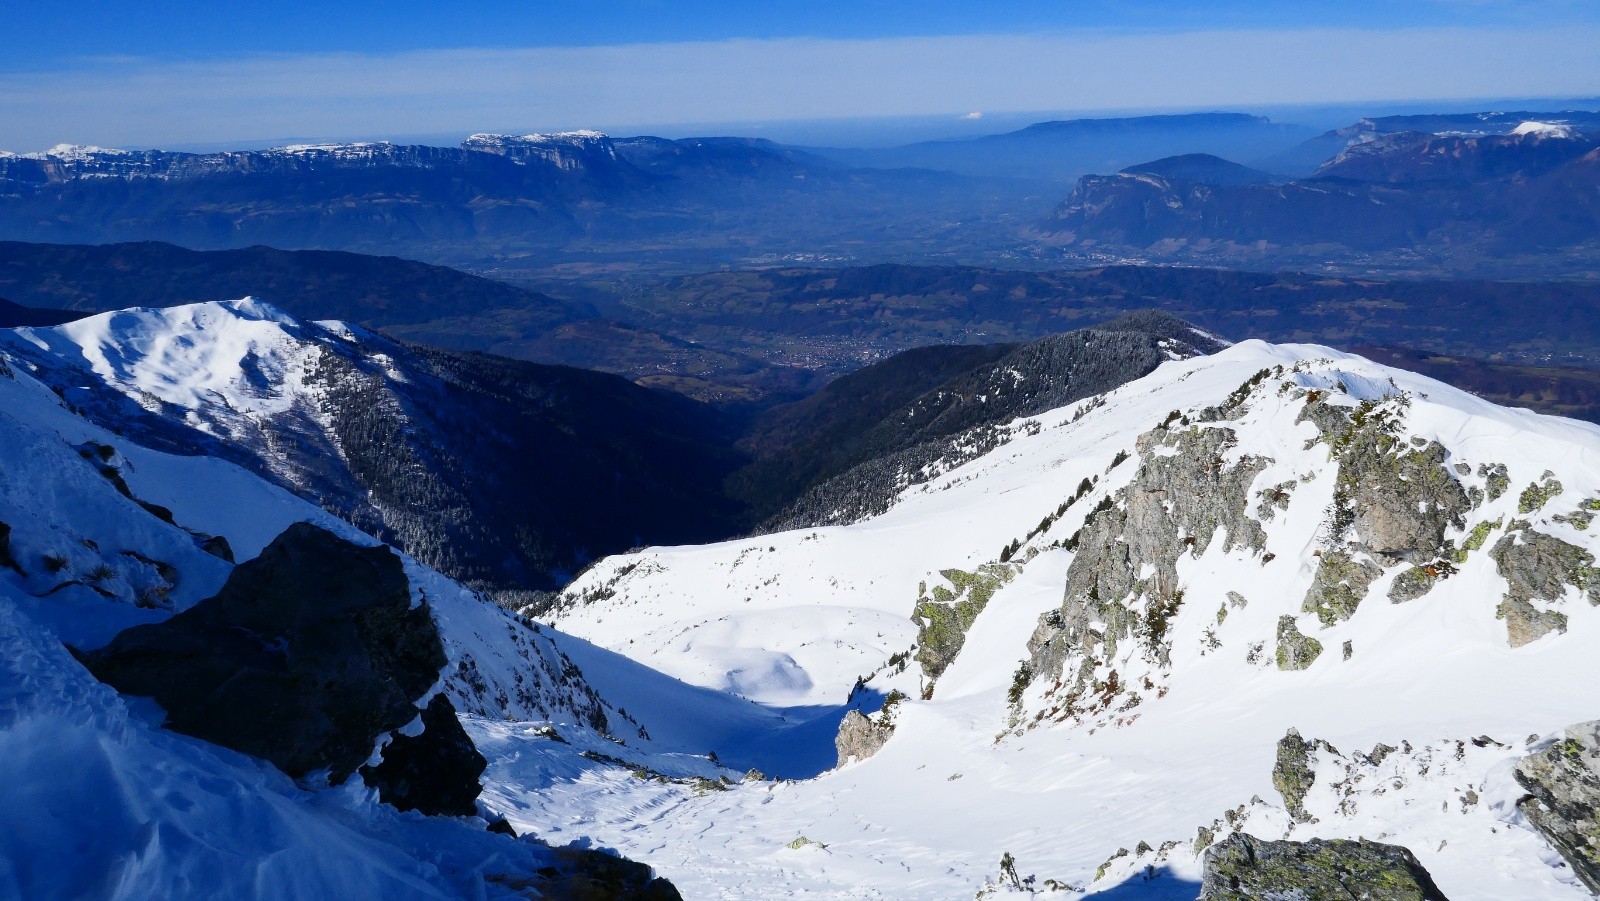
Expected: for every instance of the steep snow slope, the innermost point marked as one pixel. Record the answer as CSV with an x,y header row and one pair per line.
x,y
427,449
98,533
1402,525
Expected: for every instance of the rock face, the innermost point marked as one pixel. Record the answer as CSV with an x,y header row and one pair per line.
x,y
1122,584
1392,503
1539,567
944,618
1563,782
1245,868
860,737
584,874
435,772
1338,586
1295,651
6,560
309,653
1294,772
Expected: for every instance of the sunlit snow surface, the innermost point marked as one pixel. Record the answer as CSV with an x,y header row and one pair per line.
x,y
799,615
98,801
750,648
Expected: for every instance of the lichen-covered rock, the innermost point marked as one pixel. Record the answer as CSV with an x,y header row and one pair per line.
x,y
1244,868
1295,651
861,736
1122,584
1496,479
943,619
1392,502
1540,567
1539,493
436,771
1419,580
1563,802
306,656
1294,771
1339,585
1273,500
1398,497
1476,539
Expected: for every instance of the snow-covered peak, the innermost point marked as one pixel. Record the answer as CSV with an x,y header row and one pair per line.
x,y
78,152
243,355
347,150
581,135
1113,616
1543,130
568,150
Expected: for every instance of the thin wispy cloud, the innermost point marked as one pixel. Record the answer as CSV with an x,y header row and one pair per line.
x,y
141,103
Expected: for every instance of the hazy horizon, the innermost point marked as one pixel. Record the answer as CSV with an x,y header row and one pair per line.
x,y
187,73
890,131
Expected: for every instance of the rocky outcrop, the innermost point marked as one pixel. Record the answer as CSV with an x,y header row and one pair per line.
x,y
1419,580
6,559
1122,584
308,654
1397,496
1537,494
944,618
435,772
1339,585
1244,868
1540,567
1563,802
861,736
217,546
1294,771
1295,651
584,874
1392,502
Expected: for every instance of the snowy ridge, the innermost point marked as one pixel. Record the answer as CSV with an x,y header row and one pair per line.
x,y
1544,130
194,356
1186,734
101,533
628,719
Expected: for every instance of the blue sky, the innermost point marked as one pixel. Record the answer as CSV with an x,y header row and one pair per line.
x,y
169,73
52,35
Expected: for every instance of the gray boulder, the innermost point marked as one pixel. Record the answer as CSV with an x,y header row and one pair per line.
x,y
1295,650
1539,567
1294,771
436,771
1244,868
860,737
308,654
1563,802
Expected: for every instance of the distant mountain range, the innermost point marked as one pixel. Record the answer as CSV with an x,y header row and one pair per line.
x,y
1306,157
1523,202
1507,194
1064,150
577,196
